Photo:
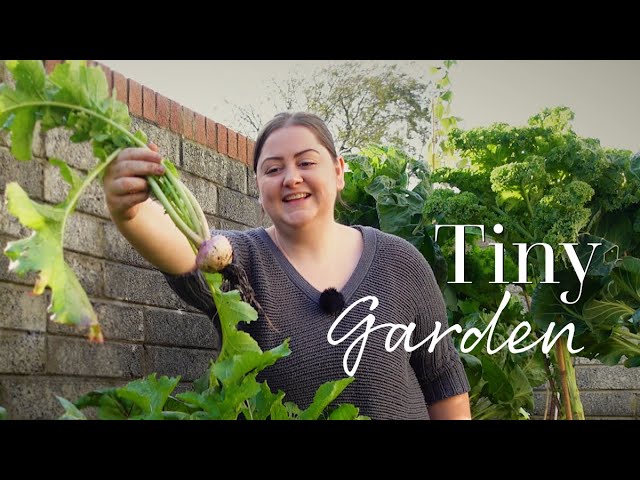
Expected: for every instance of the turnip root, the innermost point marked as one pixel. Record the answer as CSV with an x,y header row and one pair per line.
x,y
214,254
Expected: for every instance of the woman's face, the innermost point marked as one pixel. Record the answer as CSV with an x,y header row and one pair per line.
x,y
292,161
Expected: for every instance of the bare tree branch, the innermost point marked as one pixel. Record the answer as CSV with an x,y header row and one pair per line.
x,y
361,104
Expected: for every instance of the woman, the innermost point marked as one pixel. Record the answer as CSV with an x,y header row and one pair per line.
x,y
299,176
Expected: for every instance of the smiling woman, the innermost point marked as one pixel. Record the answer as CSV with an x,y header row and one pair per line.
x,y
304,254
297,183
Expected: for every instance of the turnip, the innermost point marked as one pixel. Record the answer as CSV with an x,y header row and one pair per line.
x,y
214,254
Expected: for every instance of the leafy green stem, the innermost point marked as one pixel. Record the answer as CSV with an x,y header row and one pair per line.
x,y
629,335
193,237
177,201
190,234
71,205
190,203
484,413
525,194
571,313
620,340
223,326
246,404
519,227
206,235
596,216
88,111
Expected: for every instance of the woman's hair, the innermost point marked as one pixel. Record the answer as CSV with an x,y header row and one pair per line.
x,y
299,119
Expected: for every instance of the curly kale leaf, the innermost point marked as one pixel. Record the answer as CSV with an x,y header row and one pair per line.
x,y
561,214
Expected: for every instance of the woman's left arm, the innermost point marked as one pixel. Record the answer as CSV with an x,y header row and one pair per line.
x,y
451,408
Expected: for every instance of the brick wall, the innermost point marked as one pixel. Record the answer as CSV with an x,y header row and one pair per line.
x,y
147,328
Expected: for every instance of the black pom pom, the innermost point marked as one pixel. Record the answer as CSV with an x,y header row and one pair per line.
x,y
331,301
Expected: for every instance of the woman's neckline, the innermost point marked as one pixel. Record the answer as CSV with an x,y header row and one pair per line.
x,y
354,281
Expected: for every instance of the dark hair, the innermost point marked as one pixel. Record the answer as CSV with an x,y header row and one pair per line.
x,y
300,119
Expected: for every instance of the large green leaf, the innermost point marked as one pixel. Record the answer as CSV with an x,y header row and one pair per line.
x,y
233,369
617,228
22,128
232,310
606,313
29,76
71,412
326,394
197,400
78,84
546,306
497,387
149,394
604,256
534,368
231,403
626,275
608,351
85,94
268,405
346,411
30,83
42,252
522,391
110,406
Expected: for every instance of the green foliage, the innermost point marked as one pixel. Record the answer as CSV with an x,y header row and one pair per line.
x,y
501,384
543,183
613,316
479,265
43,252
457,208
3,413
561,214
74,97
442,121
386,189
569,186
227,391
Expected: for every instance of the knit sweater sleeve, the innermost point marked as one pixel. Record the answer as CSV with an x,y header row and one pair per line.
x,y
440,373
192,287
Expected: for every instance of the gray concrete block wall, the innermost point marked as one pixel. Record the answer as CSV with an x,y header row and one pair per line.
x,y
147,328
605,392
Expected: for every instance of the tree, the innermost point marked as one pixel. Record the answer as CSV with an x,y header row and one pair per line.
x,y
361,103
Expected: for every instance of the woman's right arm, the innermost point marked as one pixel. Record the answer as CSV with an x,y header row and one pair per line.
x,y
140,220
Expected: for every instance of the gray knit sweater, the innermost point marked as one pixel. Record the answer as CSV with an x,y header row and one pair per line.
x,y
388,385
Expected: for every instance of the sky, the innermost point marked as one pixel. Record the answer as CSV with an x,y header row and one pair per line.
x,y
604,94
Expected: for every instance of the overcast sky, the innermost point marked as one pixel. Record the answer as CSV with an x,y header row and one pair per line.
x,y
605,95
